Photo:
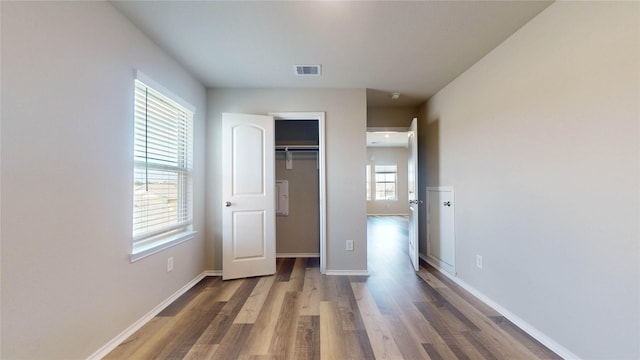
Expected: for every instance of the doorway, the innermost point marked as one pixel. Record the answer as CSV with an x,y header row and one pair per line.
x,y
300,163
391,183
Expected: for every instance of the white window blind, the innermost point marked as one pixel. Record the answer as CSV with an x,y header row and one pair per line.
x,y
386,179
163,166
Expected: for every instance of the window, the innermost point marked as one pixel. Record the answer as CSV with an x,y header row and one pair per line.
x,y
386,176
368,182
163,167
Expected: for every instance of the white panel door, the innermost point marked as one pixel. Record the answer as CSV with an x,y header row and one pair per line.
x,y
414,202
440,228
248,195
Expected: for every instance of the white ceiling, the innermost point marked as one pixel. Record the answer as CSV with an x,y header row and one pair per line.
x,y
412,47
388,139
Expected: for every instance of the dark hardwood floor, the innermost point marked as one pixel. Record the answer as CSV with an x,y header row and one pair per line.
x,y
395,313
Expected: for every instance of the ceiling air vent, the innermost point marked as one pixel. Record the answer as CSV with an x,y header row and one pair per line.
x,y
308,70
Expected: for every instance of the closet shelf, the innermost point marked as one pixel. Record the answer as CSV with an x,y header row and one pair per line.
x,y
296,147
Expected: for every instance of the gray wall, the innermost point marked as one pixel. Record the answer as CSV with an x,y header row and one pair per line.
x,y
391,117
541,141
299,232
68,286
389,156
346,157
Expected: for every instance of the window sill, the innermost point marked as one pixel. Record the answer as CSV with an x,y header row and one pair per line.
x,y
142,251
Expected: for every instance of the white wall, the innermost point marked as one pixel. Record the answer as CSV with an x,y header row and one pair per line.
x,y
541,141
68,286
346,156
389,156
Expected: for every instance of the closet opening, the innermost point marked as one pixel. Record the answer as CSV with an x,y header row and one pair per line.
x,y
300,206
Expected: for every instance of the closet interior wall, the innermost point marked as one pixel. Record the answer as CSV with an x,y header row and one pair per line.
x,y
298,233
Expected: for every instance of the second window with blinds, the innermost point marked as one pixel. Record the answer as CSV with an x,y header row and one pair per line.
x,y
385,180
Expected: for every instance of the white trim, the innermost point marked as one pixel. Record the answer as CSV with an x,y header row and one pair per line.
x,y
141,252
213,273
113,343
406,215
517,321
440,188
322,175
297,255
348,272
440,265
389,128
158,87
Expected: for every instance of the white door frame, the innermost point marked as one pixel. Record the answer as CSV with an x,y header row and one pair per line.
x,y
414,199
322,182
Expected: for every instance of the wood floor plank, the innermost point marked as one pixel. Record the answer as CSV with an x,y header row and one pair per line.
x,y
152,347
184,329
251,308
175,307
532,344
233,342
143,336
432,351
285,330
228,289
358,344
284,269
332,346
264,326
463,349
437,280
382,342
201,352
467,313
311,292
193,325
220,325
407,345
307,340
296,281
348,305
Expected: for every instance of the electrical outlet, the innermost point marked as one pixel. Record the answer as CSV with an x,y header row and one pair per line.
x,y
349,246
170,264
479,261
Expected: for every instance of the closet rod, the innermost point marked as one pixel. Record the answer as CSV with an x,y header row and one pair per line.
x,y
296,147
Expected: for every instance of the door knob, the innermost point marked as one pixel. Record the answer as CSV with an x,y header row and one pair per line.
x,y
227,203
447,203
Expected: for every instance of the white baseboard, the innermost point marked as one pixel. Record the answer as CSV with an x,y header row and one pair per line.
x,y
406,215
348,272
113,343
523,325
212,273
297,255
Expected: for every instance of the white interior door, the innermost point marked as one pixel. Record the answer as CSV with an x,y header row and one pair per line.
x,y
414,201
248,195
440,228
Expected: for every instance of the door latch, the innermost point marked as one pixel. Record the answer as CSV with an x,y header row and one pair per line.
x,y
447,203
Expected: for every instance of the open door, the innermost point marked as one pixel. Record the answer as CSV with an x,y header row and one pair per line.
x,y
414,201
248,195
